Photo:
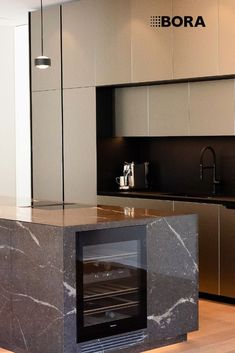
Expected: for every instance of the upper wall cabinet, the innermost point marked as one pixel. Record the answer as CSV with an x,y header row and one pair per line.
x,y
212,108
226,37
78,32
50,78
183,109
131,111
168,110
145,111
112,41
195,49
151,46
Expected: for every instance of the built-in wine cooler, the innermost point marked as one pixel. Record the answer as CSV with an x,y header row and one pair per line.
x,y
111,282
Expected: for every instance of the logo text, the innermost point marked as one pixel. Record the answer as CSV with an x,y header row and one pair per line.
x,y
177,21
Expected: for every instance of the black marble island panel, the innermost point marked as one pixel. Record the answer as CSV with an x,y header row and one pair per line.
x,y
38,280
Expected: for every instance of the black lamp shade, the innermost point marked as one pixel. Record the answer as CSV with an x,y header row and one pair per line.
x,y
42,62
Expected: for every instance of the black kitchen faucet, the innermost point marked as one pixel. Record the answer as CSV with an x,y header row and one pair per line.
x,y
212,166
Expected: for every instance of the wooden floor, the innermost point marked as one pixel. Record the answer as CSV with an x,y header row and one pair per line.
x,y
216,333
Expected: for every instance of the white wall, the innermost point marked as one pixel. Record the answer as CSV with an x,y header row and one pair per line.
x,y
22,116
14,115
7,111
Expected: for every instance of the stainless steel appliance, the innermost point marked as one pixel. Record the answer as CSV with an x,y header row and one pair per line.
x,y
135,175
111,282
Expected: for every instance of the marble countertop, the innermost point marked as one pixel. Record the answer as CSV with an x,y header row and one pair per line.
x,y
79,215
224,199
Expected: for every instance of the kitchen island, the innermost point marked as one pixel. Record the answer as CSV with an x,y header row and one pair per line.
x,y
53,258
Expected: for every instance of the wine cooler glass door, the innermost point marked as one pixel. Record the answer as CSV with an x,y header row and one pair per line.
x,y
111,282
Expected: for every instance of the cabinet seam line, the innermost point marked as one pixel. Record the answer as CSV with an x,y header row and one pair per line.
x,y
218,36
233,106
189,115
219,255
62,107
148,109
30,107
172,44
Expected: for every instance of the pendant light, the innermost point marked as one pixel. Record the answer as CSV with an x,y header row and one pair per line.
x,y
42,61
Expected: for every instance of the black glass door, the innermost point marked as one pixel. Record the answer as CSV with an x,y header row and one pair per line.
x,y
111,282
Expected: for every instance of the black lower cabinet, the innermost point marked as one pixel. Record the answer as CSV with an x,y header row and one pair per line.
x,y
111,281
208,243
227,252
216,248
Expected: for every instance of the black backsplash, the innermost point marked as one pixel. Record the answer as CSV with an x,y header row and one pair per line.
x,y
174,162
111,154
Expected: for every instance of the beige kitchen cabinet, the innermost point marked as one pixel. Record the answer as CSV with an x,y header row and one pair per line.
x,y
161,205
80,145
112,41
151,47
195,49
212,108
47,145
227,251
208,243
204,108
226,37
78,28
168,110
145,110
131,111
50,78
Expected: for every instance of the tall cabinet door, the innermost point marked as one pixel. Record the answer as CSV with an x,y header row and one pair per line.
x,y
80,145
47,146
113,42
195,49
227,251
51,77
151,46
78,43
208,243
226,37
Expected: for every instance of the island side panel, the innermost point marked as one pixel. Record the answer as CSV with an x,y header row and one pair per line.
x,y
5,275
172,284
36,287
70,332
172,276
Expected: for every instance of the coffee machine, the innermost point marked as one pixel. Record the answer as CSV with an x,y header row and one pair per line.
x,y
135,176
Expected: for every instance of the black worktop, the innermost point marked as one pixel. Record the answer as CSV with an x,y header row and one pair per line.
x,y
224,199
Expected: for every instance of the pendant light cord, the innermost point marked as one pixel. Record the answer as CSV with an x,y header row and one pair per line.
x,y
41,29
41,61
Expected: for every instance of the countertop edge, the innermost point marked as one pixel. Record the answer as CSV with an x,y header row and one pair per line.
x,y
227,201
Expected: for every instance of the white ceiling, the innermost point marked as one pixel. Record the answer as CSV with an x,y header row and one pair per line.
x,y
15,12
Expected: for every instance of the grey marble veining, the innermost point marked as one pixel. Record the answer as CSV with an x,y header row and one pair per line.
x,y
70,333
172,276
5,280
34,288
38,285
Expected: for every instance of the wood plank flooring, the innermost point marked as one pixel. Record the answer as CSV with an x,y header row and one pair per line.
x,y
216,333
